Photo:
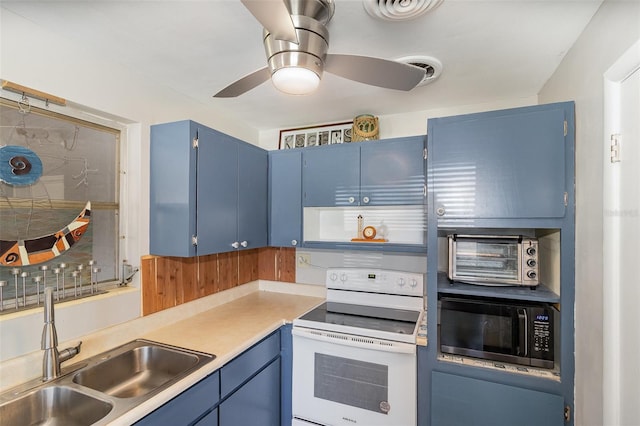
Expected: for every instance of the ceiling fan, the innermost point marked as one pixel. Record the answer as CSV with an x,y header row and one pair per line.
x,y
296,41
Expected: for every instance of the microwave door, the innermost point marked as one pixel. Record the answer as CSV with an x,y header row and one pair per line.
x,y
480,330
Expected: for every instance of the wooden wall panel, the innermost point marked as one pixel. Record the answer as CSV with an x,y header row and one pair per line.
x,y
171,281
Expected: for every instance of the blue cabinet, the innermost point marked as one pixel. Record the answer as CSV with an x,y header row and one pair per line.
x,y
188,407
381,173
502,173
507,164
245,391
255,403
285,198
208,191
458,400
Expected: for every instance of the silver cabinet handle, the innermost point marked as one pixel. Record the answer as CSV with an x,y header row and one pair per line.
x,y
244,244
235,244
440,211
294,242
365,200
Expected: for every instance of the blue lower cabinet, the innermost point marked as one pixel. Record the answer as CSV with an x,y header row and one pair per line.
x,y
189,406
463,401
257,402
210,419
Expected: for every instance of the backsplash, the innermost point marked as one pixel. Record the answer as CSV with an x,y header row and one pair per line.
x,y
172,281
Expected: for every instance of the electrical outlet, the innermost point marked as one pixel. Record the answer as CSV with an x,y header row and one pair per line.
x,y
304,260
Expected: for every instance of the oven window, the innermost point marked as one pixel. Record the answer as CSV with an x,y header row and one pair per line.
x,y
487,260
355,383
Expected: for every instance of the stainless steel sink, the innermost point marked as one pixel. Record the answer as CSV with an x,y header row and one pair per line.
x,y
54,405
136,371
102,388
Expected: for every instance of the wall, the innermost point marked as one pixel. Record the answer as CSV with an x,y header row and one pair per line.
x,y
614,28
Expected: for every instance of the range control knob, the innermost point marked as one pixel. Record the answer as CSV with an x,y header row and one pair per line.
x,y
401,282
531,251
333,276
343,277
413,283
531,263
532,275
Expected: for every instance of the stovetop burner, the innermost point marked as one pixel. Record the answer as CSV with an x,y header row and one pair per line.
x,y
366,317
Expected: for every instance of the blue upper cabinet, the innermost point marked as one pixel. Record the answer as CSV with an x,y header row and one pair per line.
x,y
331,175
253,186
378,173
392,172
507,164
285,198
208,191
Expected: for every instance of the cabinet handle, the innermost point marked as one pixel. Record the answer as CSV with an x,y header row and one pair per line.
x,y
440,211
365,200
294,242
235,244
244,244
352,200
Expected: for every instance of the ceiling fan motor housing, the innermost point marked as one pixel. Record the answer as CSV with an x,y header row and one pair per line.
x,y
309,53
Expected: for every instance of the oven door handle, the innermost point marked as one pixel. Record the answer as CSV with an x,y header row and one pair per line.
x,y
523,332
355,341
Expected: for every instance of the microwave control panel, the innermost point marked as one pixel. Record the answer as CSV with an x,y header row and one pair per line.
x,y
542,339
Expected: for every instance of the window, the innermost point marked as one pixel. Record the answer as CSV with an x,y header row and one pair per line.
x,y
51,166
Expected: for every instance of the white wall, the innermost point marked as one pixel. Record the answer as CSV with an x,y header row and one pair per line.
x,y
614,28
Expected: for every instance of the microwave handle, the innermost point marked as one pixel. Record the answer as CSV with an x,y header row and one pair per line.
x,y
523,332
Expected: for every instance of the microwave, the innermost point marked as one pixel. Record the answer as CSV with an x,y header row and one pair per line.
x,y
498,330
493,260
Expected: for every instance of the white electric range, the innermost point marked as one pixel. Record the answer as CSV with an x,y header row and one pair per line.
x,y
354,356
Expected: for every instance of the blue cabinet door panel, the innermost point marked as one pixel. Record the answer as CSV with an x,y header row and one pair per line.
x,y
217,191
502,164
331,175
252,195
172,193
188,406
285,198
257,402
244,365
392,172
210,419
457,401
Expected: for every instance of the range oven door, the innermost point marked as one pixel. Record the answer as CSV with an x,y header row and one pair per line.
x,y
341,379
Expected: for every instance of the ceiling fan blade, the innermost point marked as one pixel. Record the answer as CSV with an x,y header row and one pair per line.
x,y
245,84
375,71
274,16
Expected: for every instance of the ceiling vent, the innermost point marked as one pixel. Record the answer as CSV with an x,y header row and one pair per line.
x,y
432,67
399,10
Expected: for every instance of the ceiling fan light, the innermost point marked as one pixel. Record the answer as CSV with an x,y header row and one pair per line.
x,y
295,80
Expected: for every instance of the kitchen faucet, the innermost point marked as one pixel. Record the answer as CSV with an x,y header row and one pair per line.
x,y
52,357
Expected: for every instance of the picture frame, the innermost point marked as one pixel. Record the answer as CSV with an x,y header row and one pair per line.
x,y
325,134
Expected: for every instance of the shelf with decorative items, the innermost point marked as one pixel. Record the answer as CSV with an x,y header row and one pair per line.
x,y
370,227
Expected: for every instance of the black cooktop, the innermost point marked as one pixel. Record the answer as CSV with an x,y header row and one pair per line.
x,y
367,317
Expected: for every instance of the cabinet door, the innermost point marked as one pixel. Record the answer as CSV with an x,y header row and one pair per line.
x,y
392,172
255,403
217,191
331,175
457,400
285,198
500,164
172,194
252,196
187,407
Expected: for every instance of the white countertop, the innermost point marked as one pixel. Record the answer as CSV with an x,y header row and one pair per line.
x,y
224,324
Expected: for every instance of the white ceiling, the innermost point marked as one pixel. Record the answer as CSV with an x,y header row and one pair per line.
x,y
490,50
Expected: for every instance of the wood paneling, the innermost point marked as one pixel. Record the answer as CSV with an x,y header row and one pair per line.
x,y
171,281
